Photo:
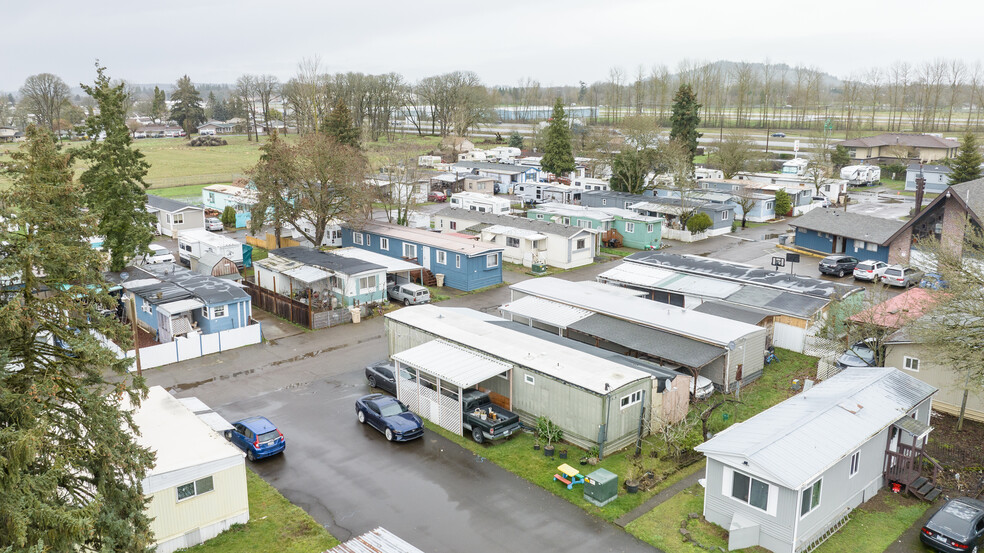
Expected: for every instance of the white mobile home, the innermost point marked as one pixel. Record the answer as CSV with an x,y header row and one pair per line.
x,y
484,203
197,487
193,243
791,475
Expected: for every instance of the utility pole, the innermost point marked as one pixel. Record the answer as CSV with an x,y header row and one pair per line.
x,y
920,190
136,338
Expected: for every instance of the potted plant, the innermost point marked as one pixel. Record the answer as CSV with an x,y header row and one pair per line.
x,y
547,430
632,479
563,453
536,443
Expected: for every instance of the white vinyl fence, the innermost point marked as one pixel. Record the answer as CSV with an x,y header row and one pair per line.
x,y
183,348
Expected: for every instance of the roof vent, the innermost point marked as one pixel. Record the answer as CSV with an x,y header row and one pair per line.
x,y
850,407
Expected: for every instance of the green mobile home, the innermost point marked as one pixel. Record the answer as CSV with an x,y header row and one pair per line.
x,y
634,230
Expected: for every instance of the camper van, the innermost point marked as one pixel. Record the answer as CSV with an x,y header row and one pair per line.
x,y
193,243
483,203
861,175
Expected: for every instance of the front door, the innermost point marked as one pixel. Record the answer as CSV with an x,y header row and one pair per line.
x,y
425,257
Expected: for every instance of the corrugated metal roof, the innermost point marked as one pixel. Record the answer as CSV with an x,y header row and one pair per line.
x,y
181,306
702,286
514,232
663,345
562,363
744,314
453,364
428,238
795,441
306,274
550,312
634,273
670,318
379,540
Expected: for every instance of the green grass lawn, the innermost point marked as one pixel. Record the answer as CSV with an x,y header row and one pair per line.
x,y
873,526
274,525
621,252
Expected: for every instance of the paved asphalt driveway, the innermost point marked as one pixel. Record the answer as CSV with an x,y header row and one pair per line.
x,y
430,492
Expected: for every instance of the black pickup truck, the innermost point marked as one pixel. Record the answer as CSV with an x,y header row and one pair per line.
x,y
497,423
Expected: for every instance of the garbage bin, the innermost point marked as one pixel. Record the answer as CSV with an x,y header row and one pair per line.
x,y
356,314
783,238
440,279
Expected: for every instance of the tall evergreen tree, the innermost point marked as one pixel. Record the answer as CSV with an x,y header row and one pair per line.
x,y
516,140
187,109
114,188
340,126
685,118
158,106
210,106
558,155
71,470
221,111
967,165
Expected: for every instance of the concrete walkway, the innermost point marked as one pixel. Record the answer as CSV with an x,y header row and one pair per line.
x,y
659,498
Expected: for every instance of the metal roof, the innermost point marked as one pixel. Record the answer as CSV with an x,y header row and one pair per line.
x,y
670,318
167,204
848,224
207,237
429,238
595,374
514,232
497,167
209,289
797,440
327,260
535,225
450,363
550,312
379,540
695,285
306,274
180,306
905,139
657,343
744,314
727,270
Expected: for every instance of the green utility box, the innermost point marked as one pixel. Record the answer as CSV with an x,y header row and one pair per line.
x,y
601,487
539,268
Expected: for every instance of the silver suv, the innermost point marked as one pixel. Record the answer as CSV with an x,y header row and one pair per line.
x,y
898,275
409,294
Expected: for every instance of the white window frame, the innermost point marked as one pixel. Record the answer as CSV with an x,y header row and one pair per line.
x,y
650,228
194,484
442,257
528,378
770,205
872,247
630,227
855,464
179,218
510,240
815,491
457,261
604,201
412,248
146,308
628,401
727,489
364,284
725,215
491,260
358,239
581,244
384,243
214,312
566,220
908,362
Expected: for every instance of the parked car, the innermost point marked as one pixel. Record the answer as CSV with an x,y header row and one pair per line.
x,y
484,419
258,437
212,223
779,135
390,416
933,281
858,355
437,196
870,270
838,265
704,386
409,294
822,200
158,254
958,527
901,276
381,374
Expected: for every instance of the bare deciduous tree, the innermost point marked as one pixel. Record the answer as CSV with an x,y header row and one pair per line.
x,y
45,95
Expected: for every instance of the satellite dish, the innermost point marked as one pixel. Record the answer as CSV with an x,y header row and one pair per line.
x,y
731,345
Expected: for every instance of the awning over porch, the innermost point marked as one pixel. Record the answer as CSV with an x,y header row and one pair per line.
x,y
452,364
550,312
306,274
916,428
180,306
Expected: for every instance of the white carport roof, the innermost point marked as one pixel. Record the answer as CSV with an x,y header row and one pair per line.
x,y
306,274
452,364
180,306
514,232
392,264
550,312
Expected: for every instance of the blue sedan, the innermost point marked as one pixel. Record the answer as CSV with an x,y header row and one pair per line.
x,y
258,437
390,416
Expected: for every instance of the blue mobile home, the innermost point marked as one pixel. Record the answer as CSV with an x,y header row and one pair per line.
x,y
241,199
466,264
831,231
172,301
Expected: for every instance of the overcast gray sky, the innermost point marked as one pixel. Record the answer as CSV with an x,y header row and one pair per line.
x,y
555,42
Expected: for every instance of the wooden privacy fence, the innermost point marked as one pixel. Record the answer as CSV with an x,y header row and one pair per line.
x,y
286,308
270,242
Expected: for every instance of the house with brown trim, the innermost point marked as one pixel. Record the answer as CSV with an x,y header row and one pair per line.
x,y
944,218
891,147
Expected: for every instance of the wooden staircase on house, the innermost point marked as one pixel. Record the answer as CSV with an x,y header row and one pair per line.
x,y
905,466
424,277
612,238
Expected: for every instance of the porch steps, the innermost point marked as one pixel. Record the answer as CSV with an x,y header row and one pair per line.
x,y
428,278
923,488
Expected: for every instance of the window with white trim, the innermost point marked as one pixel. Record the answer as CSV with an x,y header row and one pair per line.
x,y
859,245
811,498
457,261
384,243
410,251
631,399
492,260
583,223
910,363
872,247
725,215
855,463
358,239
367,282
630,227
198,487
145,307
650,228
566,220
528,378
442,257
581,244
746,489
218,311
453,225
770,205
604,201
179,218
512,242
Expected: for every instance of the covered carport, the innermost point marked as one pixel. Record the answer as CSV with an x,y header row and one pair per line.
x,y
398,271
433,375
